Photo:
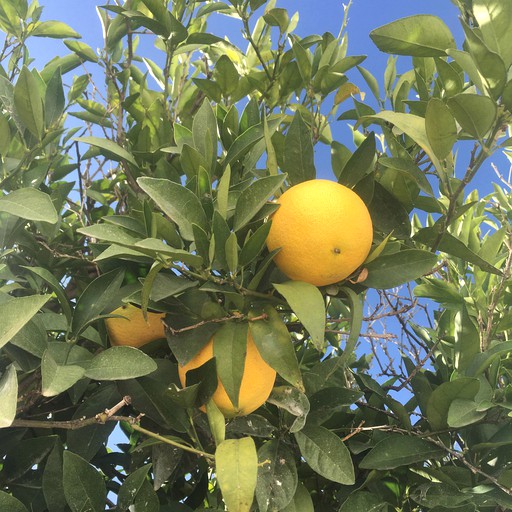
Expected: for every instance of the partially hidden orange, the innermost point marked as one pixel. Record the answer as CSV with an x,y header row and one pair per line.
x,y
257,381
323,230
133,330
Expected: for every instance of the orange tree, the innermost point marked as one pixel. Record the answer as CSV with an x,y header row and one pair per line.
x,y
156,204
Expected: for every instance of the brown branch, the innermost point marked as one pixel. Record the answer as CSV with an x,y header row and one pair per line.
x,y
104,417
234,316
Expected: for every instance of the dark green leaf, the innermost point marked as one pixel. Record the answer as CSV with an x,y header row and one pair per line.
x,y
84,487
419,36
54,101
275,346
463,412
178,202
30,204
277,476
236,464
131,487
363,501
229,349
98,296
360,163
397,450
254,244
291,400
254,197
119,363
52,480
298,151
392,270
56,377
301,501
326,454
16,312
388,214
308,304
409,169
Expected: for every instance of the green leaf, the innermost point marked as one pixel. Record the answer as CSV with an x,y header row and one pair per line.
x,y
236,464
226,75
29,103
463,412
303,58
476,114
16,312
55,29
84,487
119,363
441,398
293,401
231,249
30,204
440,127
420,36
84,51
412,125
8,397
326,454
47,276
363,501
277,17
111,149
229,350
111,233
204,133
392,270
356,322
54,100
275,345
216,421
301,501
53,488
57,378
99,295
360,163
10,503
400,450
308,304
409,169
131,487
178,202
494,19
467,340
254,244
453,246
254,197
277,476
298,155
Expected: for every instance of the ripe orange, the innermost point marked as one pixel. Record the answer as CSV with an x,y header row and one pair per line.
x,y
257,381
133,330
324,231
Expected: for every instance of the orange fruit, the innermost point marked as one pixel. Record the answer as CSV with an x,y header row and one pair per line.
x,y
257,380
324,231
133,330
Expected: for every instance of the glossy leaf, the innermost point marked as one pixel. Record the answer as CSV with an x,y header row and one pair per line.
x,y
298,151
326,454
308,304
389,271
400,450
360,163
178,202
30,204
83,485
236,463
16,312
8,396
254,197
229,350
118,363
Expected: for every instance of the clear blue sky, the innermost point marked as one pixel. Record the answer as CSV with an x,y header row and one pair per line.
x,y
316,17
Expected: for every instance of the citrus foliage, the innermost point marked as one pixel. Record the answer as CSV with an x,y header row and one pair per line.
x,y
150,181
